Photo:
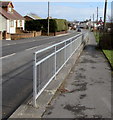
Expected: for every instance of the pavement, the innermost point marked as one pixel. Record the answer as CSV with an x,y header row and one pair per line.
x,y
86,93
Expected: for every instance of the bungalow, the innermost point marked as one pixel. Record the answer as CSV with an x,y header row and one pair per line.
x,y
11,21
32,16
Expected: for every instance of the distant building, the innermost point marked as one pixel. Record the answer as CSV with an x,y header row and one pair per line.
x,y
10,20
32,16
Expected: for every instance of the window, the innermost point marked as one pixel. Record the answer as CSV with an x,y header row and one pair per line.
x,y
20,23
11,23
9,9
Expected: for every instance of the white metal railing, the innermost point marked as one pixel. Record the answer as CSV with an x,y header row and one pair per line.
x,y
52,59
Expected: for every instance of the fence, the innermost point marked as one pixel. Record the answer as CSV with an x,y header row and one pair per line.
x,y
49,61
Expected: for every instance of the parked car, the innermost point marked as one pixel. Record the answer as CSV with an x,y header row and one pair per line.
x,y
73,27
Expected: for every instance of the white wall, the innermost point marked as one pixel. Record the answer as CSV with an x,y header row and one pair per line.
x,y
23,24
11,29
3,23
8,28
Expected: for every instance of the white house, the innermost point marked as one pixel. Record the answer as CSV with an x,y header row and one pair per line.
x,y
10,20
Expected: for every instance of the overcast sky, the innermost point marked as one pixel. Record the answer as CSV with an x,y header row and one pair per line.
x,y
66,10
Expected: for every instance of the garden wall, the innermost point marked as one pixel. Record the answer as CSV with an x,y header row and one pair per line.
x,y
6,36
24,35
0,35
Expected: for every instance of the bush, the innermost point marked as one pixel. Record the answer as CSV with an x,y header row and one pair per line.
x,y
106,41
62,25
52,25
55,25
33,25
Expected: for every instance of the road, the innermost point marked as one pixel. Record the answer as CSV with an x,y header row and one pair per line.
x,y
17,64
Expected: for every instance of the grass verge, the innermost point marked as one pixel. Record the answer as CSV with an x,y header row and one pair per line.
x,y
109,55
96,34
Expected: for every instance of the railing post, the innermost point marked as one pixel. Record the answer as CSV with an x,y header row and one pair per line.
x,y
71,46
39,81
65,53
82,37
55,63
34,81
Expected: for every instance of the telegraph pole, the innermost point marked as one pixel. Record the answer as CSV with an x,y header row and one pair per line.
x,y
48,18
105,9
97,22
97,14
90,17
93,20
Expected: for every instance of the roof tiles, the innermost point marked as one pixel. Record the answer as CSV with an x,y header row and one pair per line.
x,y
10,15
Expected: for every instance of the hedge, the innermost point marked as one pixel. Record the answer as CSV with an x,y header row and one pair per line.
x,y
33,25
56,25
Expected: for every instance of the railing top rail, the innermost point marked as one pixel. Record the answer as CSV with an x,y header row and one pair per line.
x,y
39,51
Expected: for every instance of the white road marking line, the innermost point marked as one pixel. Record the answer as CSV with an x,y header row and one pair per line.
x,y
31,48
7,56
38,46
62,35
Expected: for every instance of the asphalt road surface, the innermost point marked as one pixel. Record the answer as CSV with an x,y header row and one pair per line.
x,y
17,69
11,47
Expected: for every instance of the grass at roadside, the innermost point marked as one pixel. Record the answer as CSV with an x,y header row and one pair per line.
x,y
108,53
97,36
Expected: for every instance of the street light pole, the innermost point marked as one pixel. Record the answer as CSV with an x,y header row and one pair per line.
x,y
48,18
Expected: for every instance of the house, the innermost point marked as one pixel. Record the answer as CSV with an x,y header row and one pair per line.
x,y
11,21
32,16
3,23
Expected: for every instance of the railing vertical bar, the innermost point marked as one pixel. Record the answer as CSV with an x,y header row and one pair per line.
x,y
39,82
34,81
55,63
71,45
65,53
